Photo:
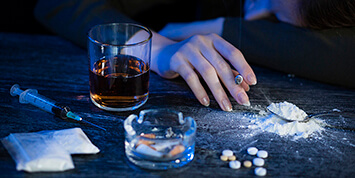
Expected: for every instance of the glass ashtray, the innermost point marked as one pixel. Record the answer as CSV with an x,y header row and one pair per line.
x,y
159,139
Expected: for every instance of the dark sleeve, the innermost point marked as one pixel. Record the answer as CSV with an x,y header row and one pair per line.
x,y
73,18
327,55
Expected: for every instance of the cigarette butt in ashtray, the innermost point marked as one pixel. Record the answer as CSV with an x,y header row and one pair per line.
x,y
154,149
146,142
151,135
176,150
147,150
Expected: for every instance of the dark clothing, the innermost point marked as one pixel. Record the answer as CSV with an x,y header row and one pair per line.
x,y
325,55
73,18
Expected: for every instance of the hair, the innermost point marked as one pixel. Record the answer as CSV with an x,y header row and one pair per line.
x,y
323,14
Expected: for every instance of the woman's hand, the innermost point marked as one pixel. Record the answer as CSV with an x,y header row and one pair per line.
x,y
204,55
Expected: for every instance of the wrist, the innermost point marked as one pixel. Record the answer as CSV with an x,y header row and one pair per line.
x,y
208,26
159,42
217,25
160,60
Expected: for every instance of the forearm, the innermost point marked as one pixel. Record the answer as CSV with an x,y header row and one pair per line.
x,y
324,56
73,18
182,31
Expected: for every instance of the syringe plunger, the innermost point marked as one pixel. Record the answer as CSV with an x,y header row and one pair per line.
x,y
31,96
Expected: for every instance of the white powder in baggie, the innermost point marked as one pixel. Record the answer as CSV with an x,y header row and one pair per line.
x,y
47,151
274,124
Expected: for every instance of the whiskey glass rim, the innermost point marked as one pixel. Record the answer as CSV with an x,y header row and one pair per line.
x,y
120,24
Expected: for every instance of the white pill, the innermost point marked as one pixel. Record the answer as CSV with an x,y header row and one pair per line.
x,y
262,154
252,150
227,152
258,162
235,164
260,171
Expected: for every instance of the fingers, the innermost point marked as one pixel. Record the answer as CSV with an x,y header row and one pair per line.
x,y
186,71
244,85
235,57
209,74
225,73
207,55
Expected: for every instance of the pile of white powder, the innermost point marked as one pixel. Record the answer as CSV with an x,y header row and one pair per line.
x,y
287,110
273,123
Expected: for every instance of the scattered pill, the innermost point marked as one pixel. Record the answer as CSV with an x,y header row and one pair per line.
x,y
247,164
227,152
224,158
232,158
234,164
262,154
252,150
258,162
259,171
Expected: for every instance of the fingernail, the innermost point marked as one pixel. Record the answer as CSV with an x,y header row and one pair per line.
x,y
227,106
252,79
243,99
247,88
205,101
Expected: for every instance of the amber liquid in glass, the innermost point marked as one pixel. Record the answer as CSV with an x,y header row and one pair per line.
x,y
119,83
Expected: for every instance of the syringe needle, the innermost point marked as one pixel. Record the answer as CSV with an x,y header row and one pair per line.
x,y
82,120
74,116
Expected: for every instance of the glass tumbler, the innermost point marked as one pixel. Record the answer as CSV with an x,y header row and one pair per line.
x,y
159,139
119,65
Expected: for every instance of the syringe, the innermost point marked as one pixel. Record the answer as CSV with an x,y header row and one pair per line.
x,y
31,96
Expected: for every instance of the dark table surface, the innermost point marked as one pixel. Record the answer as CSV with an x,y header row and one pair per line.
x,y
59,70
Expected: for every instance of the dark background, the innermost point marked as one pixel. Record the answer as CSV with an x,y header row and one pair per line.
x,y
24,59
17,16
